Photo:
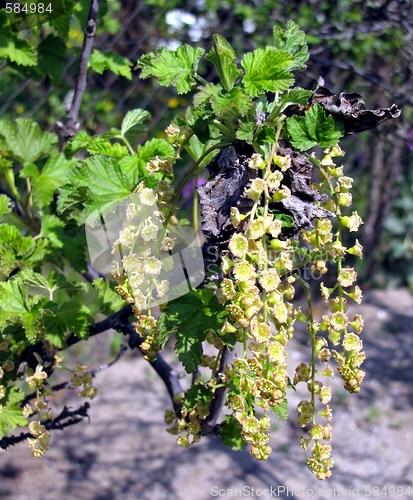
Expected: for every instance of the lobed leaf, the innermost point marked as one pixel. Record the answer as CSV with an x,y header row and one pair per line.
x,y
115,63
222,57
172,67
267,69
293,41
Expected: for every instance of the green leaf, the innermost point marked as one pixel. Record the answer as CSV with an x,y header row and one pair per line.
x,y
52,53
155,147
99,146
245,131
294,96
293,41
115,63
45,184
190,319
134,119
17,50
315,127
267,69
133,168
71,245
5,205
231,434
197,393
108,300
15,307
77,143
11,414
281,409
72,316
172,67
25,141
62,24
222,57
103,179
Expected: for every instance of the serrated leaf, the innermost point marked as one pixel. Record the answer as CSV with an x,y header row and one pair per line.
x,y
155,147
11,414
72,316
197,393
77,143
292,39
222,57
52,53
115,63
315,127
267,69
108,300
190,319
99,146
5,205
172,67
235,101
231,434
72,246
295,96
53,175
17,50
14,307
281,409
25,141
245,131
62,24
135,119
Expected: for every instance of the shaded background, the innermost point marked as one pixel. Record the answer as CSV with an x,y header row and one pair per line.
x,y
356,46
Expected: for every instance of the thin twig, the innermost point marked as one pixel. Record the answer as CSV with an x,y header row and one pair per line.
x,y
70,128
74,417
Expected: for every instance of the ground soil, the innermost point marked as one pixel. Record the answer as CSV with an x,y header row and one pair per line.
x,y
125,452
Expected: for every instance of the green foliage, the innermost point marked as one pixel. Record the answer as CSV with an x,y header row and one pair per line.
x,y
11,414
115,63
190,318
172,67
315,127
231,434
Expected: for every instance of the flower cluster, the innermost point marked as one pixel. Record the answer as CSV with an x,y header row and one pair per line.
x,y
333,331
143,248
257,294
83,380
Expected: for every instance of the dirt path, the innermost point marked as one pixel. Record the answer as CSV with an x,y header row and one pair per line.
x,y
125,452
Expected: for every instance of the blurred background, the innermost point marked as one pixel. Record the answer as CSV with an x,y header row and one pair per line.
x,y
356,46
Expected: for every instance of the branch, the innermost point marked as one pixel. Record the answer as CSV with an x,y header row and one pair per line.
x,y
74,417
70,128
209,425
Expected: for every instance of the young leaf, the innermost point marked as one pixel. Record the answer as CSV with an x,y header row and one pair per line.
x,y
231,434
45,184
222,57
5,205
15,49
15,308
155,147
172,67
72,316
25,141
11,414
294,96
99,146
109,301
190,319
315,127
281,409
267,69
52,53
134,119
119,65
293,41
